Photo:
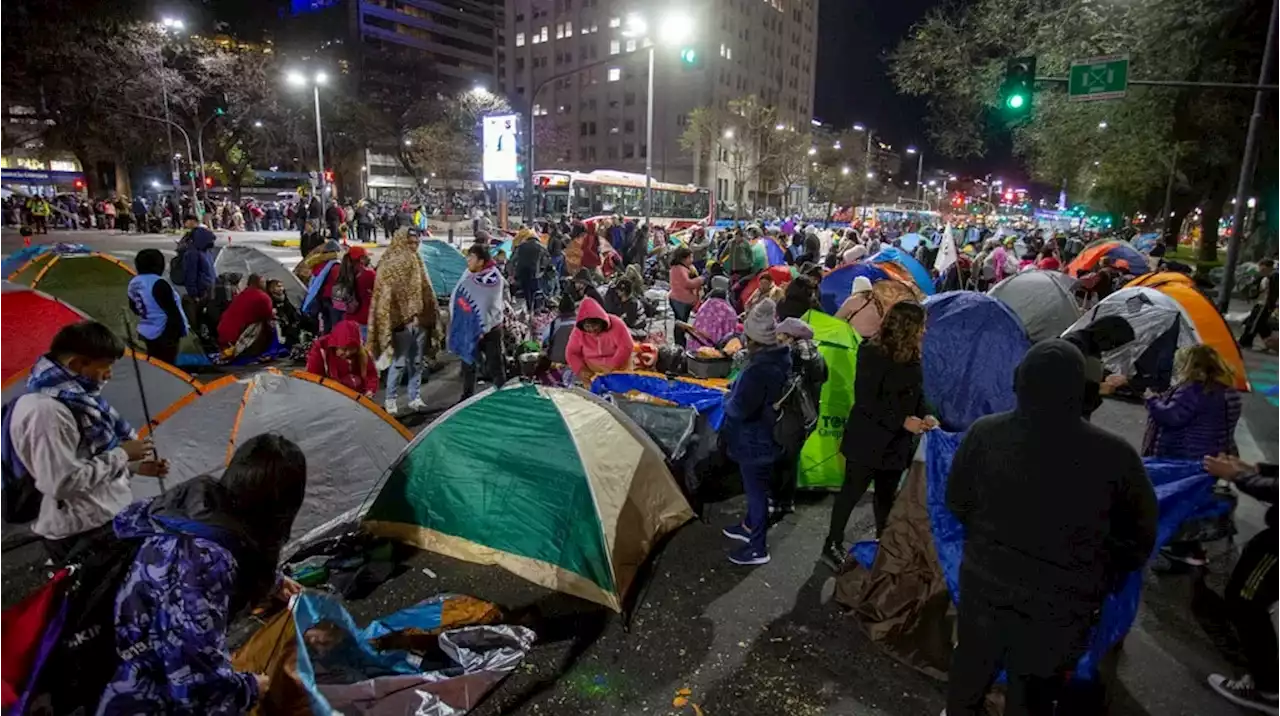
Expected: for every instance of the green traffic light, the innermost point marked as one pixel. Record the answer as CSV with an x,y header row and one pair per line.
x,y
689,55
1015,101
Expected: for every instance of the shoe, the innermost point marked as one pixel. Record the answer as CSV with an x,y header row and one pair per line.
x,y
1191,555
391,406
737,532
1242,692
749,557
416,406
834,555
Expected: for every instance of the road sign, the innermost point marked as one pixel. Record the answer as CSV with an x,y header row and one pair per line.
x,y
1094,78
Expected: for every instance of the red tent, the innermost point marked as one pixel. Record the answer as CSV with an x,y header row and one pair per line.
x,y
781,277
28,321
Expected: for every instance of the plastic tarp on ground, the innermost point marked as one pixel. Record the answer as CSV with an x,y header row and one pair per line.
x,y
28,322
580,515
919,274
245,260
708,401
444,264
821,463
165,385
838,283
439,657
1043,300
95,283
1150,313
348,439
1146,242
972,344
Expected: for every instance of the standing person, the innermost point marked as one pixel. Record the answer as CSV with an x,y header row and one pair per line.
x,y
40,211
161,322
402,318
311,238
75,447
1259,321
750,414
333,218
475,328
340,355
1103,335
140,214
686,285
198,274
599,343
109,214
879,436
353,290
364,223
810,368
1049,533
209,549
528,259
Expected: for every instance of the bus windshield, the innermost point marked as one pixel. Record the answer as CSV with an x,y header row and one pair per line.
x,y
553,202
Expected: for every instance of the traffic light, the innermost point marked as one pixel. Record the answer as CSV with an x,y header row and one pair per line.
x,y
78,184
328,176
1018,88
690,58
1008,197
208,181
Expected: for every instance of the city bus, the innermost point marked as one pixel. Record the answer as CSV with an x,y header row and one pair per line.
x,y
882,214
601,193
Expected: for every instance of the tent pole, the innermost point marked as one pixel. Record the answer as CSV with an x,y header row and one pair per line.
x,y
142,391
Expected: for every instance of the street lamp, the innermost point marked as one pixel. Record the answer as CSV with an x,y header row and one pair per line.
x,y
919,168
298,79
844,171
866,157
1102,124
728,133
175,25
257,124
673,28
813,151
480,91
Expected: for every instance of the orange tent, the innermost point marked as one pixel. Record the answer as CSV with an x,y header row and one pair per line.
x,y
1209,323
1155,280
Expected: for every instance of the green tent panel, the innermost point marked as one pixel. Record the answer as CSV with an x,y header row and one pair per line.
x,y
821,464
96,284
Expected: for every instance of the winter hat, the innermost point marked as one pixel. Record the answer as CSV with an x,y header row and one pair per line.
x,y
357,253
795,328
761,324
861,284
721,284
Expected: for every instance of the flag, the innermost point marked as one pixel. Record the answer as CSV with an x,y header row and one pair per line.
x,y
946,253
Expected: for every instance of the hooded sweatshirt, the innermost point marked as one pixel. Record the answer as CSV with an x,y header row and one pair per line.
x,y
197,262
748,409
1056,510
323,359
604,352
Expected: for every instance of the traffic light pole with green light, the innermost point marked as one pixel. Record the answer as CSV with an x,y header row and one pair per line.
x,y
1018,89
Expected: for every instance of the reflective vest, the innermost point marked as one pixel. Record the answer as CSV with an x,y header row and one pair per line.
x,y
151,317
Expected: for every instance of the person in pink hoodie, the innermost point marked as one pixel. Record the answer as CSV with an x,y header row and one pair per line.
x,y
599,343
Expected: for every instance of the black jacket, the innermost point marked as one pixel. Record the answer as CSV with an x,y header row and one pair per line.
x,y
885,394
1056,510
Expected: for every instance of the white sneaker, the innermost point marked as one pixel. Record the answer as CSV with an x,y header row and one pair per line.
x,y
1243,692
391,407
416,406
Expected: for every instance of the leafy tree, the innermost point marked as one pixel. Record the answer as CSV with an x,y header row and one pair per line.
x,y
446,142
745,135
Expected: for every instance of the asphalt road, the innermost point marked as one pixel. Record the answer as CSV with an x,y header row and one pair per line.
x,y
760,641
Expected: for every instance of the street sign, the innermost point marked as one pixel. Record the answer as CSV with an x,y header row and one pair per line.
x,y
1094,78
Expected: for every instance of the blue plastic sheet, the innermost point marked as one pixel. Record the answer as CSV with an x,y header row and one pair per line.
x,y
709,402
835,286
972,344
1145,242
445,265
773,252
919,274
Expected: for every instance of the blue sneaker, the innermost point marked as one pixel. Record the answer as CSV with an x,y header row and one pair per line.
x,y
748,556
737,532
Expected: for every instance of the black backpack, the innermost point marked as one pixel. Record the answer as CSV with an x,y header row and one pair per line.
x,y
178,267
21,499
797,413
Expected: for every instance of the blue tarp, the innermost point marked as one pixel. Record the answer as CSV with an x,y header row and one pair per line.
x,y
445,265
709,402
835,286
773,252
1146,242
921,275
972,344
911,241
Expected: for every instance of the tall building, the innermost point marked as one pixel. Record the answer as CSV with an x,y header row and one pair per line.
x,y
593,114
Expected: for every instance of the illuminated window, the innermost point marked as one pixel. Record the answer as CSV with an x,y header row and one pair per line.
x,y
728,53
519,39
595,27
615,74
615,22
722,49
560,31
614,47
631,45
568,29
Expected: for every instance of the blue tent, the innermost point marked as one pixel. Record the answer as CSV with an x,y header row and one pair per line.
x,y
707,401
921,275
835,286
445,265
1146,242
911,241
972,344
773,251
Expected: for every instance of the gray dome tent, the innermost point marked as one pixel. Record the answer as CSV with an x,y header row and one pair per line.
x,y
1043,300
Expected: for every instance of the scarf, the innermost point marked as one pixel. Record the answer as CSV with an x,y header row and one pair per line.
x,y
475,309
101,427
401,292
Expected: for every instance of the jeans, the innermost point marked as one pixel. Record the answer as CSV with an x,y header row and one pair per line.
x,y
681,311
1257,324
406,349
756,477
857,478
490,351
529,291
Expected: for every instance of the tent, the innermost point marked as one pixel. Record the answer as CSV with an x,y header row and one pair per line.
x,y
774,252
245,260
918,273
95,283
838,283
1160,278
28,321
782,275
444,264
554,485
1146,242
440,656
903,592
1210,326
349,440
1114,249
821,463
972,344
1152,315
909,242
166,387
1044,301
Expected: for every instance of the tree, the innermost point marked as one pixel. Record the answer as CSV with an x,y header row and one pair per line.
x,y
743,134
447,142
789,161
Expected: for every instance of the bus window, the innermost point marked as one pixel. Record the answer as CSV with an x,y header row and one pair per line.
x,y
553,203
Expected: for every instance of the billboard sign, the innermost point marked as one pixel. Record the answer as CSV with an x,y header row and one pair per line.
x,y
500,150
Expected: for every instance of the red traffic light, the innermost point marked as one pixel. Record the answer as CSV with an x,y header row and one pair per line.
x,y
78,183
328,176
208,181
1008,196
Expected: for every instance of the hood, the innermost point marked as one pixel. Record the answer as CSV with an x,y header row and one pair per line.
x,y
591,308
1050,381
202,240
346,334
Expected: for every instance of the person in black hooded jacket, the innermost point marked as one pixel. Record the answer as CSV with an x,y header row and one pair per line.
x,y
1105,334
1050,531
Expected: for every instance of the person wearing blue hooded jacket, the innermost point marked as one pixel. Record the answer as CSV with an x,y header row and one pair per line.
x,y
748,429
198,274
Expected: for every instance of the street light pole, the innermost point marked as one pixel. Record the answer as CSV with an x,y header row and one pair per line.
x,y
866,174
920,173
315,87
648,150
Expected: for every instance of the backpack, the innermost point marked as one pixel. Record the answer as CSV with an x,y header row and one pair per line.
x,y
797,414
21,498
344,296
178,266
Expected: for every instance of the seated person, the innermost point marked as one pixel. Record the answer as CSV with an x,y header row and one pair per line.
x,y
620,301
247,327
599,343
767,289
715,320
339,355
289,319
555,339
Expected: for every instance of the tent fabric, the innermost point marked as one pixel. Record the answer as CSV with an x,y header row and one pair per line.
x,y
1146,242
349,440
578,516
774,253
923,279
28,321
838,283
166,387
245,260
440,656
821,462
1041,300
707,400
1155,280
94,283
444,264
909,242
1150,313
1210,327
1113,249
972,344
781,274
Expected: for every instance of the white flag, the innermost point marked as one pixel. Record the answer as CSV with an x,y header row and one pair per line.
x,y
946,252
